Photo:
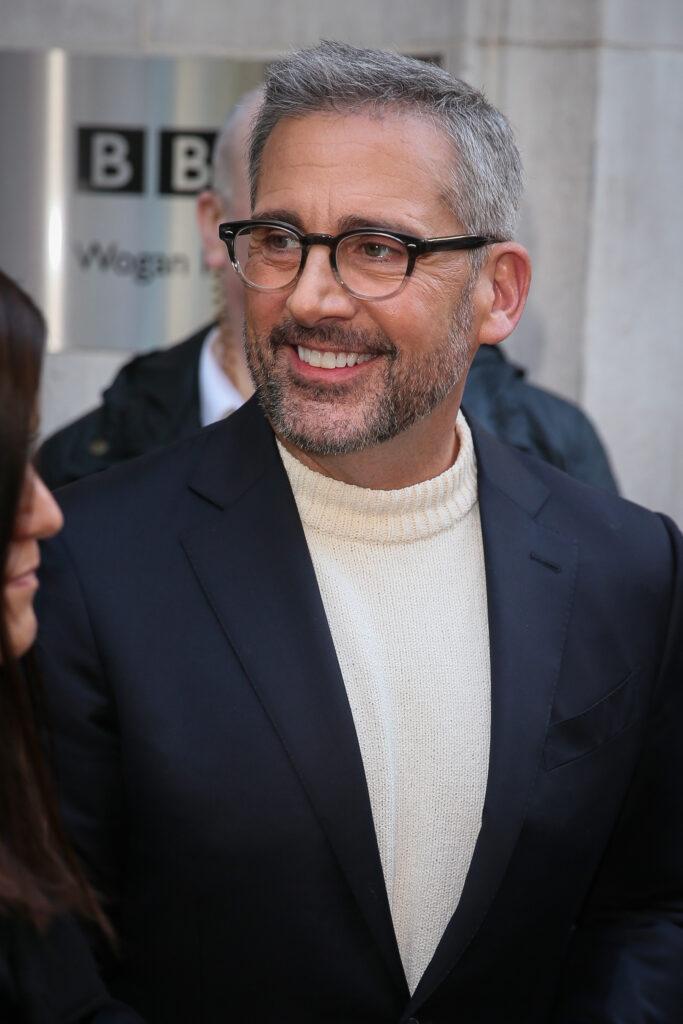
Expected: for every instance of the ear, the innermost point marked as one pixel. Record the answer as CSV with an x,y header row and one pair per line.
x,y
502,290
210,213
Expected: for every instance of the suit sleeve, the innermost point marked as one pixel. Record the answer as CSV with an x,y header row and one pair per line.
x,y
84,739
625,961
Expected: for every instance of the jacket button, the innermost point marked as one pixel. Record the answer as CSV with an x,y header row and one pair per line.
x,y
98,447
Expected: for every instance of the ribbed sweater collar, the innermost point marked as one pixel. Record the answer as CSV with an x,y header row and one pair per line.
x,y
386,517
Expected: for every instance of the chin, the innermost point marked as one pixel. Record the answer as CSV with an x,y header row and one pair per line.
x,y
22,629
320,428
328,437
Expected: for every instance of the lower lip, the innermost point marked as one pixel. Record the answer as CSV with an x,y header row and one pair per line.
x,y
29,581
320,374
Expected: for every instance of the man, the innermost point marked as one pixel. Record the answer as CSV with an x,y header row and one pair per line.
x,y
168,394
363,716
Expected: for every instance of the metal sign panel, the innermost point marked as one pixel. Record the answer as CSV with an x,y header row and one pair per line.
x,y
102,158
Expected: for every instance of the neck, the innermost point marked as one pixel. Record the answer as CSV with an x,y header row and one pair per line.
x,y
422,452
229,350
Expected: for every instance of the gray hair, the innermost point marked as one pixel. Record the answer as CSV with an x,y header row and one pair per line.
x,y
486,184
226,148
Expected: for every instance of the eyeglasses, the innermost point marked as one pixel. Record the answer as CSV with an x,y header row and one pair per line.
x,y
370,263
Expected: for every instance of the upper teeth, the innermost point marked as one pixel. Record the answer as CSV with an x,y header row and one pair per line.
x,y
330,360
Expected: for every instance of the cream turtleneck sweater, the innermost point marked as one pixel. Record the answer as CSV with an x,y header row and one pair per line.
x,y
401,574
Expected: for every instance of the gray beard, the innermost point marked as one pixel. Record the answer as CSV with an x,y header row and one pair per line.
x,y
408,393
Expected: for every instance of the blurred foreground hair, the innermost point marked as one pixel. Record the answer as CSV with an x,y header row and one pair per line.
x,y
39,873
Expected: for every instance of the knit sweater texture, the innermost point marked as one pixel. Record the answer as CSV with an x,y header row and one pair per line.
x,y
401,575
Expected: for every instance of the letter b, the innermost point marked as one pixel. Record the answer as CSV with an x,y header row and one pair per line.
x,y
190,163
110,159
184,161
110,165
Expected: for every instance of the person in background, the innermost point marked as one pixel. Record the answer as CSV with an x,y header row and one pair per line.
x,y
46,972
165,395
534,420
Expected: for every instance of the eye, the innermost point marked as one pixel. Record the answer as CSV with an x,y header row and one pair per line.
x,y
376,249
281,241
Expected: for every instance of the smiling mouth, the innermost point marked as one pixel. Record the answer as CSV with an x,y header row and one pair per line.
x,y
330,360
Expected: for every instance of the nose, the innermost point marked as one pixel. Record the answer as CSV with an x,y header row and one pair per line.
x,y
39,515
317,294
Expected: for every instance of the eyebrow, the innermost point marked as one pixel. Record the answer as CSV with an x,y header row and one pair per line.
x,y
288,216
353,221
347,223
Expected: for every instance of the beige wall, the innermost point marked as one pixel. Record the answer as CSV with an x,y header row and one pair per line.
x,y
593,89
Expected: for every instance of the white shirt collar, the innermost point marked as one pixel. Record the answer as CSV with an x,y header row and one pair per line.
x,y
218,396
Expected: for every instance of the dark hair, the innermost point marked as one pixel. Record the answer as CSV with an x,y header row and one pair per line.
x,y
39,874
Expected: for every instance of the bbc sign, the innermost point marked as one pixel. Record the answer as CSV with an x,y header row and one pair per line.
x,y
113,160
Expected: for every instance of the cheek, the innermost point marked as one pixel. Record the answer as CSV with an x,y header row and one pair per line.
x,y
262,312
419,322
439,294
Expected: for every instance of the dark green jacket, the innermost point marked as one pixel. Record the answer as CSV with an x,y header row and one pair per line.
x,y
535,420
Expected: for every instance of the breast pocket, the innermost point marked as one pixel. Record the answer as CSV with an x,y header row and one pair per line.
x,y
612,714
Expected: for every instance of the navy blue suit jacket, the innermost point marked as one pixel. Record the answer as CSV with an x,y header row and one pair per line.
x,y
50,977
213,782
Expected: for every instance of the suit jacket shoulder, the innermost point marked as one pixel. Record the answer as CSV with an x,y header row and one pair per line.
x,y
626,608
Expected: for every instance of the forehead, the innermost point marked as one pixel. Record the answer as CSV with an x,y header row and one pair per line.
x,y
327,166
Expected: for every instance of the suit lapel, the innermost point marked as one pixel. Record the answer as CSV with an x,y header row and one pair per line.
x,y
530,579
254,567
251,559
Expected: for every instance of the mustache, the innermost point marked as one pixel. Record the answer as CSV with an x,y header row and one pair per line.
x,y
331,336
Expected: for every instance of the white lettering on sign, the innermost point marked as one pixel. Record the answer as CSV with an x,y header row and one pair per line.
x,y
191,163
110,165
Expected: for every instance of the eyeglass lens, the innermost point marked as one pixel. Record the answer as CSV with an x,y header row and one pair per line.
x,y
370,265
